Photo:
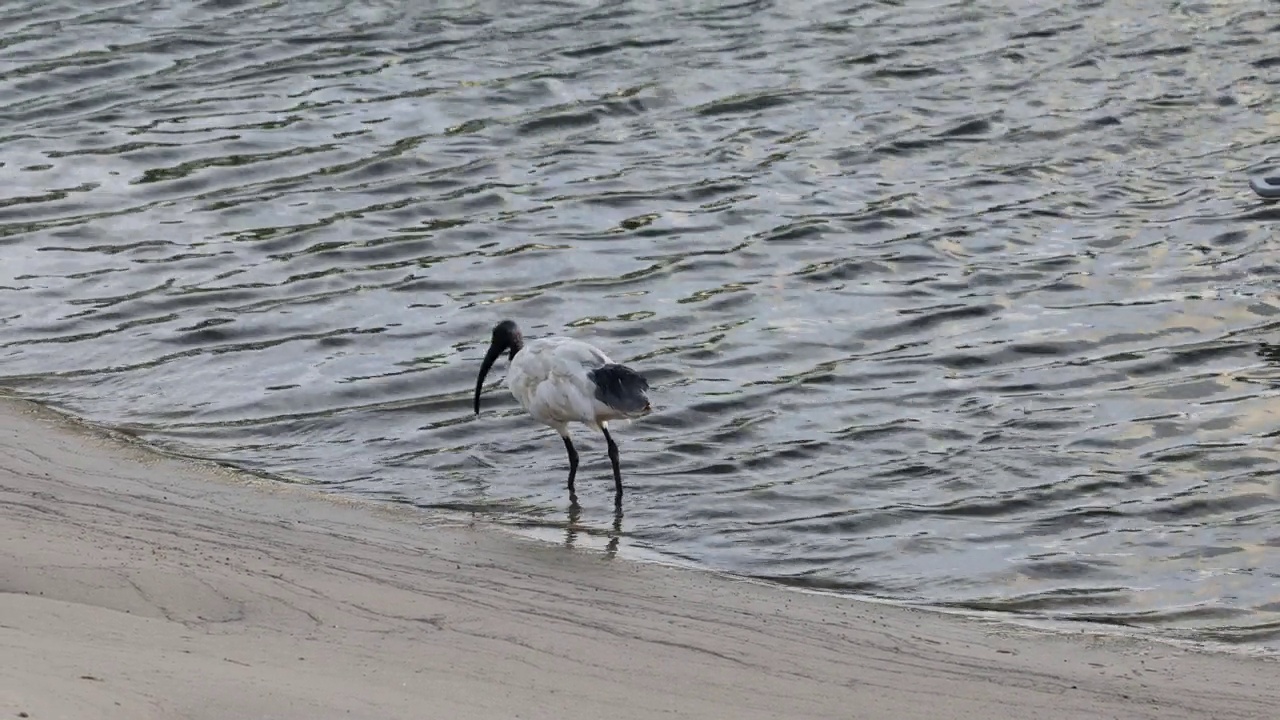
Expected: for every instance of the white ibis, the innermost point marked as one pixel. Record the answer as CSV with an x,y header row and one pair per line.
x,y
559,380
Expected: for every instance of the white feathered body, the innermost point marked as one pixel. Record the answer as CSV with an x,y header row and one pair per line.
x,y
550,379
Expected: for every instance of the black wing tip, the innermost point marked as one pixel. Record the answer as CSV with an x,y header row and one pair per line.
x,y
619,373
620,387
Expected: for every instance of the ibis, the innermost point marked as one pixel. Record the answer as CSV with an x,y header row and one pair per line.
x,y
560,380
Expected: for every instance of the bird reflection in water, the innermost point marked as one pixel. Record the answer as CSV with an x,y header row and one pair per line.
x,y
572,528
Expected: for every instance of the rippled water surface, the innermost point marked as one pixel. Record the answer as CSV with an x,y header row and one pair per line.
x,y
954,302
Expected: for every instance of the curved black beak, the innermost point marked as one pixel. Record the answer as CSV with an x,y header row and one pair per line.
x,y
489,359
495,349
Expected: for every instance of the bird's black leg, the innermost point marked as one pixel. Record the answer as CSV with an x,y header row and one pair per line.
x,y
573,468
617,472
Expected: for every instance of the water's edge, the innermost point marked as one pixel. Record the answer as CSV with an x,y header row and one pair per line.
x,y
643,554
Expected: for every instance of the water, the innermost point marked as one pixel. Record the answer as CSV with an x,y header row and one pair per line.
x,y
964,303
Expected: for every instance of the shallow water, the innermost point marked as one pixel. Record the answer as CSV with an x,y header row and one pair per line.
x,y
963,303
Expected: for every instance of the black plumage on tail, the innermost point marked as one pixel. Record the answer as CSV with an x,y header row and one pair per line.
x,y
621,388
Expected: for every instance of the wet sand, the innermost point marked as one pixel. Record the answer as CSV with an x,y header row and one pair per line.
x,y
134,585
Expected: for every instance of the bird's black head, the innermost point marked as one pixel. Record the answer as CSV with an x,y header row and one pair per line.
x,y
506,336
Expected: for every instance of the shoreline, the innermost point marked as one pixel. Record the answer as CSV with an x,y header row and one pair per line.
x,y
1053,626
542,534
136,583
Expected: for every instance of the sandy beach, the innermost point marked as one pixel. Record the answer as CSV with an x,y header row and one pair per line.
x,y
135,585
